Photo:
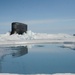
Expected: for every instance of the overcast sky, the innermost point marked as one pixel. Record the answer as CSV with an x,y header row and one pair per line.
x,y
52,16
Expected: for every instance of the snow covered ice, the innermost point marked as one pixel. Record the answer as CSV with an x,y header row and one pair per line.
x,y
31,37
39,74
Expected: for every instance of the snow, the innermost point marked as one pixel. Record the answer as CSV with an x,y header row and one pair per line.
x,y
67,41
31,37
39,74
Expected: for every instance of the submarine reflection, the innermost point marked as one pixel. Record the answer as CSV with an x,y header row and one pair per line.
x,y
14,51
21,50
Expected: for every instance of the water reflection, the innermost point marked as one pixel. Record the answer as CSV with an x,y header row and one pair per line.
x,y
40,45
14,51
42,58
70,46
17,51
21,50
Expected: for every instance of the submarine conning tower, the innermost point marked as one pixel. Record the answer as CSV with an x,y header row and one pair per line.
x,y
19,28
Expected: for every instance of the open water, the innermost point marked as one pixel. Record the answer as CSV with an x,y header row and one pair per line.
x,y
37,59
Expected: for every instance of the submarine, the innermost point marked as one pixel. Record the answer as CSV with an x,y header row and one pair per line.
x,y
19,28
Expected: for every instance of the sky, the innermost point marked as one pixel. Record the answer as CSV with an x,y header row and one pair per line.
x,y
46,16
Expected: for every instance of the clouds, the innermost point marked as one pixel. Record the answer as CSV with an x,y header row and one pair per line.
x,y
44,21
48,21
41,21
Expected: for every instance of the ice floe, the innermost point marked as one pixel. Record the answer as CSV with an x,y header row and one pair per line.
x,y
31,37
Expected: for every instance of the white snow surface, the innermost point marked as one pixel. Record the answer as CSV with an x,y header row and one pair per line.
x,y
31,37
39,74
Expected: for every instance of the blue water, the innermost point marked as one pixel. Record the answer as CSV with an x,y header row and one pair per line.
x,y
44,58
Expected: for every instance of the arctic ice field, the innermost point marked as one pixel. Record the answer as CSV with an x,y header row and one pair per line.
x,y
66,41
31,38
